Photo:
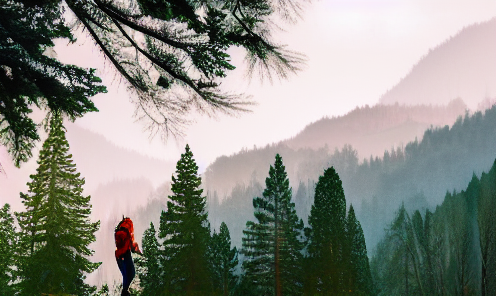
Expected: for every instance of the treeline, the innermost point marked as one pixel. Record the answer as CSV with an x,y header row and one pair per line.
x,y
368,129
416,175
44,250
450,251
279,256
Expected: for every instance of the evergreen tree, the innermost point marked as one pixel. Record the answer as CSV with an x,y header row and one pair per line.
x,y
29,77
224,261
8,246
150,278
359,276
272,246
487,229
186,233
56,229
327,236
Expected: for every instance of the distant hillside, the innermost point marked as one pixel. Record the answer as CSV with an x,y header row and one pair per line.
x,y
418,175
100,161
371,130
463,66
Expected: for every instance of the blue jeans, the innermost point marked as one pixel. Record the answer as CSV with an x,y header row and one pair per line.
x,y
126,266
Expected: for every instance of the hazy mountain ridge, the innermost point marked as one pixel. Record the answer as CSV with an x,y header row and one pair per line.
x,y
105,162
417,175
371,130
367,129
463,66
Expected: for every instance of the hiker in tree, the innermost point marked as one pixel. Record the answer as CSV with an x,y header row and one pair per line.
x,y
125,244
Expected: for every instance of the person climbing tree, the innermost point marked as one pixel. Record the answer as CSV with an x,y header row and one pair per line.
x,y
125,244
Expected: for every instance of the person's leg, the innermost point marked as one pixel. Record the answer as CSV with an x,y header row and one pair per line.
x,y
128,276
122,262
130,271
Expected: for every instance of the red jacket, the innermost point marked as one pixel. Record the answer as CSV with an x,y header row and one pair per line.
x,y
124,238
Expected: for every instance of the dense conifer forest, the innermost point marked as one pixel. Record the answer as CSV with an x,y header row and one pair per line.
x,y
303,241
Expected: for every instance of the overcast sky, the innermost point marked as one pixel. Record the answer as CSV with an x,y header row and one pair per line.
x,y
356,51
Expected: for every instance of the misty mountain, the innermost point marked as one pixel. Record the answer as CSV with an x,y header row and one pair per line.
x,y
100,161
464,66
369,130
417,175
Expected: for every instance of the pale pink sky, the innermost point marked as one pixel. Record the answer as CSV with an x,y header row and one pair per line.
x,y
356,50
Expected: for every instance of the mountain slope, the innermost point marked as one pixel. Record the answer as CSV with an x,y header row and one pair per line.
x,y
463,66
371,130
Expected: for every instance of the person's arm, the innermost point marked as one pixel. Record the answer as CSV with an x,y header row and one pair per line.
x,y
135,248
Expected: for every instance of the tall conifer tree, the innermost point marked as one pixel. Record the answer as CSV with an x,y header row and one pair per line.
x,y
359,277
55,226
186,233
327,236
272,246
8,246
224,261
150,279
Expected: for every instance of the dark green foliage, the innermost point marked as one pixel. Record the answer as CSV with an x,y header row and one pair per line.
x,y
185,230
224,261
359,278
394,270
29,78
486,217
272,246
327,237
173,54
448,252
150,277
184,44
56,229
8,254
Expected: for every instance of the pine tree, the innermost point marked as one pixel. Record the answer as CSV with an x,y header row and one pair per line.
x,y
186,233
326,237
224,261
360,278
8,246
55,226
272,246
150,278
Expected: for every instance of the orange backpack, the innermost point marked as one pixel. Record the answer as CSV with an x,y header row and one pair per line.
x,y
125,225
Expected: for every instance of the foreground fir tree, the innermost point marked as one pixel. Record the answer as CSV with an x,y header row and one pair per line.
x,y
272,246
224,261
359,278
8,247
150,277
326,236
56,227
186,233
